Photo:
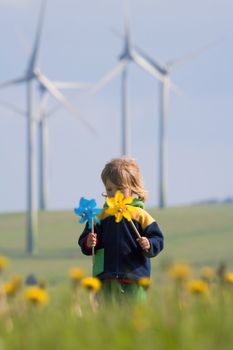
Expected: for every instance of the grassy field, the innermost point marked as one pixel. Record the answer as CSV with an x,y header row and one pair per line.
x,y
200,235
176,316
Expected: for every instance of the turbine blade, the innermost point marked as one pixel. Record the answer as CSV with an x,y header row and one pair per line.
x,y
34,55
160,67
142,53
126,27
62,99
147,66
13,82
108,77
13,108
72,85
192,55
141,58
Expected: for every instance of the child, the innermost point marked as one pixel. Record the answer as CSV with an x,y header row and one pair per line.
x,y
122,258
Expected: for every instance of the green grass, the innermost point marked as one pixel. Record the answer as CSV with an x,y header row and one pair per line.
x,y
200,235
172,318
169,320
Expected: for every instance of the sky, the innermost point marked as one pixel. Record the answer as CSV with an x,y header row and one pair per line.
x,y
78,44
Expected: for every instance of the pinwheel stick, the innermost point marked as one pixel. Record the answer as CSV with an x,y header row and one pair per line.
x,y
135,229
93,247
132,224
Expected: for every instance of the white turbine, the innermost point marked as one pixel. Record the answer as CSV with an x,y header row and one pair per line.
x,y
164,86
43,115
33,73
125,58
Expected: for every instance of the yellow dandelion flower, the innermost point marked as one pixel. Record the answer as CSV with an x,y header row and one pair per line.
x,y
76,274
197,287
144,282
3,262
179,271
9,288
12,286
91,283
208,273
228,277
36,295
119,206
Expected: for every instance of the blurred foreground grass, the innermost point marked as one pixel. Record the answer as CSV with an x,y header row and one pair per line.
x,y
173,318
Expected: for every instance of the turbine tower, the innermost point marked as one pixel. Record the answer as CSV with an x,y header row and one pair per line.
x,y
34,73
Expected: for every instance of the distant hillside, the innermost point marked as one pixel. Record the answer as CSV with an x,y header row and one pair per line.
x,y
227,200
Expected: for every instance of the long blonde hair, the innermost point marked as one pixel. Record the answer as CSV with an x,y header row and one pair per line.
x,y
124,173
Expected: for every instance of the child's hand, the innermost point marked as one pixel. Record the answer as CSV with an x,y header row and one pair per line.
x,y
144,243
91,240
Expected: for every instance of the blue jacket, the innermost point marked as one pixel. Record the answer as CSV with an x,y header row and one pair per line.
x,y
117,253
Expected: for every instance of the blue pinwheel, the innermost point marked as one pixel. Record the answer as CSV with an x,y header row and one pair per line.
x,y
87,210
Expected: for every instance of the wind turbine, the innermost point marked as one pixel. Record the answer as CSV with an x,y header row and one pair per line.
x,y
34,73
128,54
43,116
164,86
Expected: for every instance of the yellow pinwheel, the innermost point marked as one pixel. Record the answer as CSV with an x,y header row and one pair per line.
x,y
119,206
